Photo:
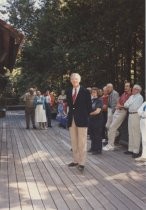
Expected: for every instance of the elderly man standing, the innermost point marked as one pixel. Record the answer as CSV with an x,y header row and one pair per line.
x,y
133,104
79,103
112,102
118,117
142,114
29,108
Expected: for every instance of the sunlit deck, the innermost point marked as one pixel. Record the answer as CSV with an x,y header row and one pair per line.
x,y
34,173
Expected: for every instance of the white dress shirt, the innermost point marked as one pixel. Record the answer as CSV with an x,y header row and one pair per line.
x,y
77,90
134,102
48,99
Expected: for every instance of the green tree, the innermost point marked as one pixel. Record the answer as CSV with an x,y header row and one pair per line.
x,y
103,40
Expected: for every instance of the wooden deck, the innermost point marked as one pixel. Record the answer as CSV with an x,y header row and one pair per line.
x,y
34,173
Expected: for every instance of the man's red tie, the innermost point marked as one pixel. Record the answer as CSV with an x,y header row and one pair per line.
x,y
74,96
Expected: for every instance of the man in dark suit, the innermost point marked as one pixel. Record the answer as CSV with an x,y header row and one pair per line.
x,y
79,103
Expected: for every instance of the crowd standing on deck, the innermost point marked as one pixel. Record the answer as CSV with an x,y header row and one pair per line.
x,y
94,113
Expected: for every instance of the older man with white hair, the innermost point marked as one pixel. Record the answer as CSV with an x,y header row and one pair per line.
x,y
133,104
79,103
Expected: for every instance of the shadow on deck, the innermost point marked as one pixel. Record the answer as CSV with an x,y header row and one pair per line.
x,y
34,172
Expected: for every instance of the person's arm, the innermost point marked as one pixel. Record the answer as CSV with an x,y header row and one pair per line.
x,y
142,110
114,101
97,111
118,106
89,103
43,102
50,100
35,101
128,102
24,97
67,110
98,108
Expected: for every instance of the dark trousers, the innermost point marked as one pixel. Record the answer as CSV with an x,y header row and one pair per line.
x,y
30,115
104,130
96,135
48,113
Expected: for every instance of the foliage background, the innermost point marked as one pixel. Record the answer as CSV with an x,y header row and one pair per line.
x,y
103,40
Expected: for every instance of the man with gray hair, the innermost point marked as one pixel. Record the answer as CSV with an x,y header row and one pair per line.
x,y
133,104
29,108
118,117
79,103
112,102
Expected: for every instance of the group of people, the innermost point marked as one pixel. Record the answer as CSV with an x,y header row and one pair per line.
x,y
38,108
118,107
94,113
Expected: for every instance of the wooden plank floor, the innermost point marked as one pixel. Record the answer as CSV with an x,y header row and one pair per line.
x,y
34,173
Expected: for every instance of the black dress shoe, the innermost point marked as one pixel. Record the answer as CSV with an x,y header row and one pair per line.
x,y
49,126
128,153
135,155
27,128
34,127
72,164
95,153
81,168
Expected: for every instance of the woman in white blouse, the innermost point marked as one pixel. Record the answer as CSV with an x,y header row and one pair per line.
x,y
40,114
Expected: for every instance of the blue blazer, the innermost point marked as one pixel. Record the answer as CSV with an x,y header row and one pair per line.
x,y
80,109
